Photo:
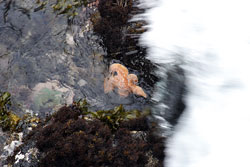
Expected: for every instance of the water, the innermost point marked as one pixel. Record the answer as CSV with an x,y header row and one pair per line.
x,y
210,41
48,60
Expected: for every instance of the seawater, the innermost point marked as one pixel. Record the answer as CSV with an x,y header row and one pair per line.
x,y
210,40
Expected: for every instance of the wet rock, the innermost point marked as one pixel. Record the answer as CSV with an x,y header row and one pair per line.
x,y
41,46
10,144
168,99
4,61
82,82
3,139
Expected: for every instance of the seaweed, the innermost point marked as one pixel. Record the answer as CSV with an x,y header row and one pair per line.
x,y
8,120
112,118
114,16
71,140
68,7
41,5
74,136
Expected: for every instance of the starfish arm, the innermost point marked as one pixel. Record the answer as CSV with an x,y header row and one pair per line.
x,y
108,86
119,68
139,91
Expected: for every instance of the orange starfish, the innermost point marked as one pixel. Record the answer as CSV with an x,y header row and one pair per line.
x,y
125,83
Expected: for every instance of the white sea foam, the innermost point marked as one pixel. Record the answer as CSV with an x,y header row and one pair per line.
x,y
212,41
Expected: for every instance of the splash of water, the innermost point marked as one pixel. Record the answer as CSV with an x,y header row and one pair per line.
x,y
212,39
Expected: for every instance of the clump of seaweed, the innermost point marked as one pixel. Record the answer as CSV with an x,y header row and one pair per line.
x,y
8,120
75,137
112,118
119,36
114,15
68,7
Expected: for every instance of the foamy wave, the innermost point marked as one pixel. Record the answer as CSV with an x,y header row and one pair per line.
x,y
212,41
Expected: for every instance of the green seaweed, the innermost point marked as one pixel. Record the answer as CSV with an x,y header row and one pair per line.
x,y
41,5
8,120
68,7
114,117
83,105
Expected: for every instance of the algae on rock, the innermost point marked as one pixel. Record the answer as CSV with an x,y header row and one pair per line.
x,y
8,120
68,7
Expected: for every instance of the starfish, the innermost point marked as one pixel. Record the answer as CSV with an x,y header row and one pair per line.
x,y
120,78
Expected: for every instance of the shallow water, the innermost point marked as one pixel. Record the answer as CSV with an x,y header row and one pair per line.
x,y
47,60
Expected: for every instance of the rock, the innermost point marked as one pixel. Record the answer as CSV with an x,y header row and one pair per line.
x,y
81,82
